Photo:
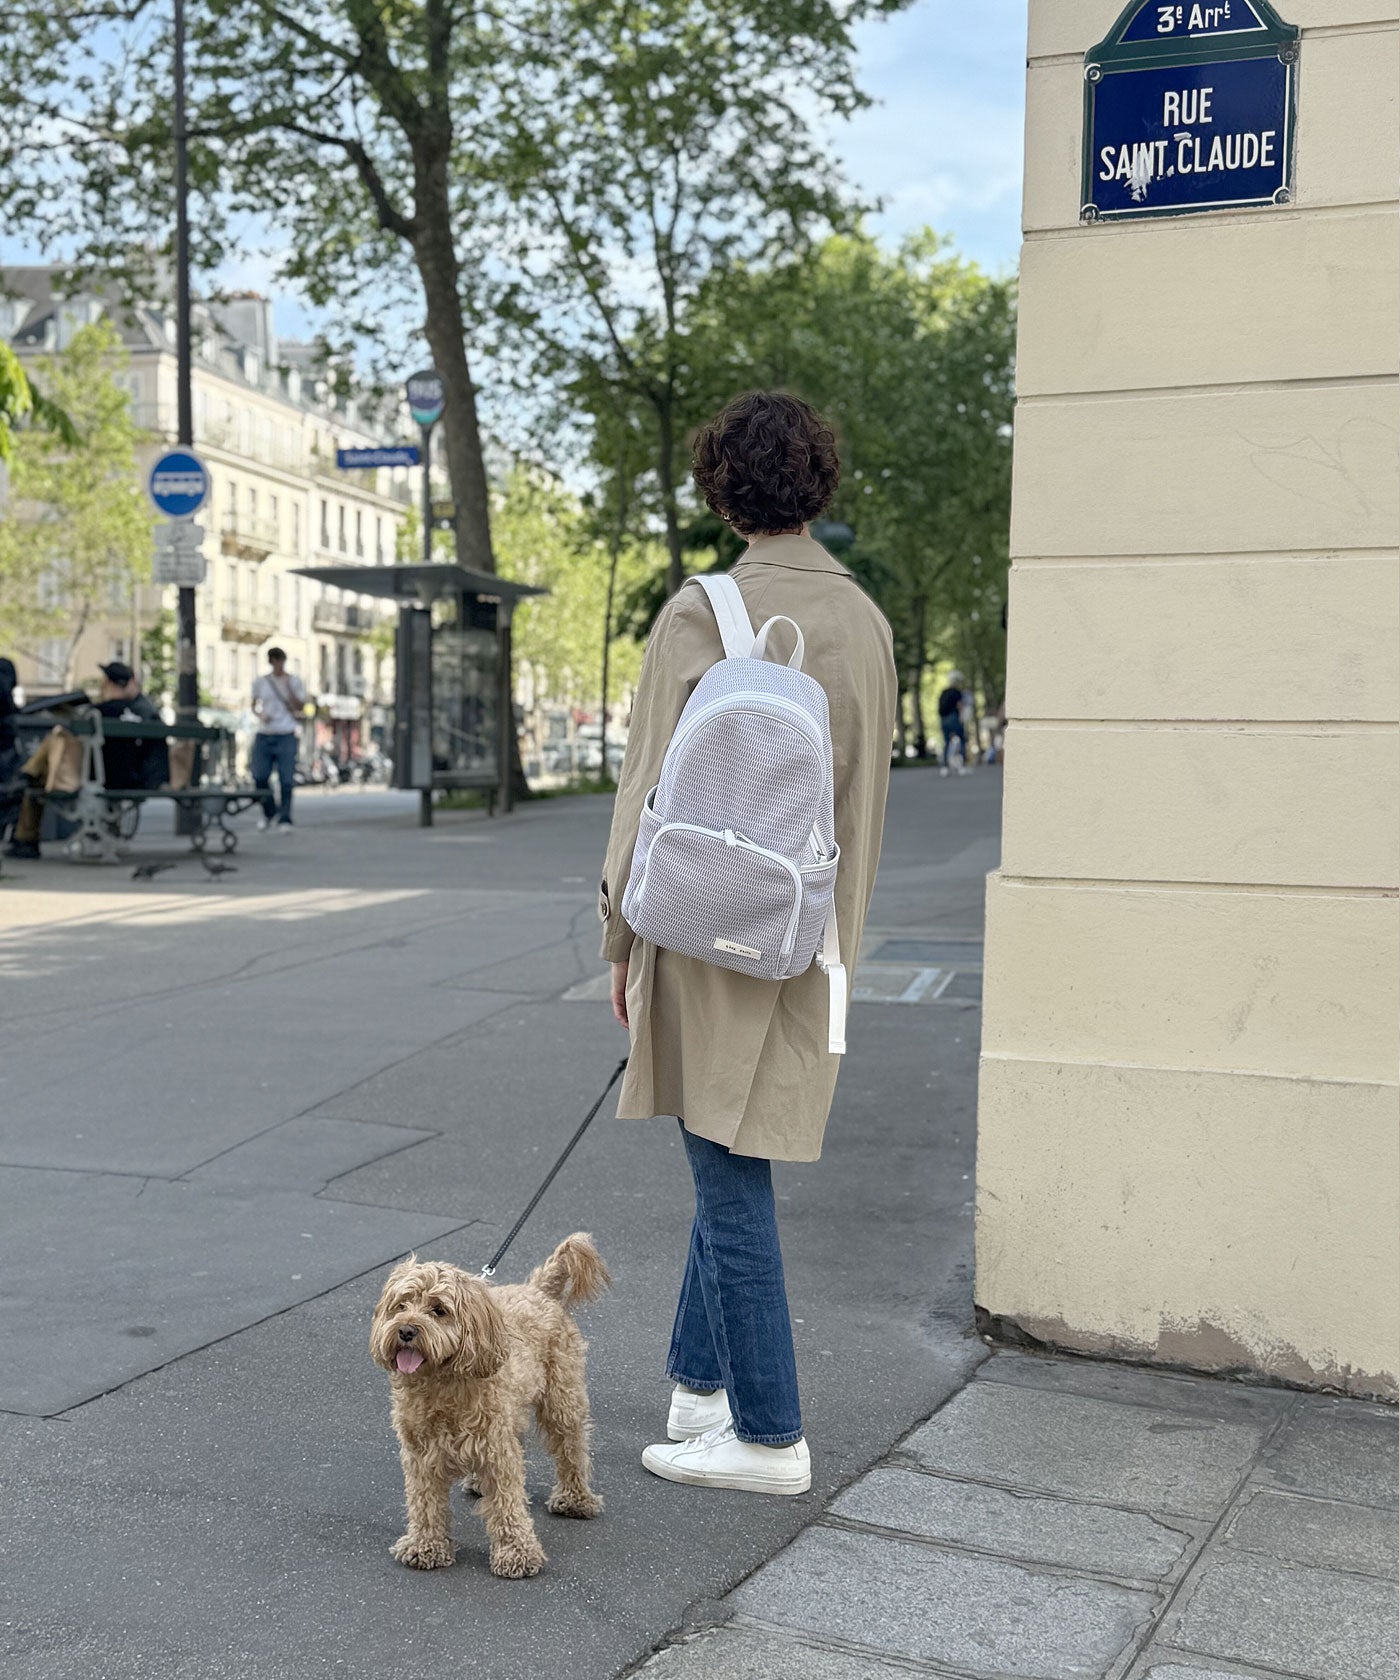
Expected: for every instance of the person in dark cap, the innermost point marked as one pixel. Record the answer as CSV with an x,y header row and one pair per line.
x,y
125,764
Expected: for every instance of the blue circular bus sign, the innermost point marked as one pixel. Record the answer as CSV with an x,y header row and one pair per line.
x,y
179,484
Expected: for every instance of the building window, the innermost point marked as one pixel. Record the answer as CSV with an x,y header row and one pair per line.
x,y
360,533
325,668
341,531
274,514
325,523
379,539
296,528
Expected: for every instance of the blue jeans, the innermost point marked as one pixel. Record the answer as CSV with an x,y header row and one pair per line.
x,y
279,753
732,1327
953,731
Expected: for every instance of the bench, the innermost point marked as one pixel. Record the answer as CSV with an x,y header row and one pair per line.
x,y
107,816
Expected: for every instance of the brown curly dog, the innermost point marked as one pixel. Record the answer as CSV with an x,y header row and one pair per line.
x,y
467,1365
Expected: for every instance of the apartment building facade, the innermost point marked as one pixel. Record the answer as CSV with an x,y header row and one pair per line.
x,y
268,420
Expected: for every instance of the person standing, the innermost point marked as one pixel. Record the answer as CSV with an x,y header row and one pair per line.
x,y
279,699
744,1063
950,719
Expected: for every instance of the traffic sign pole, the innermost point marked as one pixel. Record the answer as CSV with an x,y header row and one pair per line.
x,y
426,399
186,643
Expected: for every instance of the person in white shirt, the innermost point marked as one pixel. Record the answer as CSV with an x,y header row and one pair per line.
x,y
278,701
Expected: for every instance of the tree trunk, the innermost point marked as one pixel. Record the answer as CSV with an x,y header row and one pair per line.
x,y
916,675
666,476
436,257
901,731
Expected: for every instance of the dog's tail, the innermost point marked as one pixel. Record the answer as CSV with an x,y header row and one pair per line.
x,y
574,1273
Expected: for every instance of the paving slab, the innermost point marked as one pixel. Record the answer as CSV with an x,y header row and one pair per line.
x,y
1038,1441
1167,1665
1025,1527
1340,1449
1166,1390
197,1074
1323,1532
1314,1622
109,1277
305,1154
741,1652
962,1612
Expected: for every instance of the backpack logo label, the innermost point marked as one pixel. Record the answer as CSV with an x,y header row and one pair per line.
x,y
738,950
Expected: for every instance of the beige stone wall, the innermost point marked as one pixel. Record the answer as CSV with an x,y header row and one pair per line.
x,y
1189,1121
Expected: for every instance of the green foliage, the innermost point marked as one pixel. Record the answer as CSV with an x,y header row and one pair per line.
x,y
546,536
652,149
910,353
76,535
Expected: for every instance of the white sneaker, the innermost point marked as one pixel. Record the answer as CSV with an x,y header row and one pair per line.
x,y
692,1414
262,823
720,1459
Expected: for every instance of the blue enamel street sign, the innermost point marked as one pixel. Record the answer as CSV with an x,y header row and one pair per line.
x,y
1189,108
401,455
178,484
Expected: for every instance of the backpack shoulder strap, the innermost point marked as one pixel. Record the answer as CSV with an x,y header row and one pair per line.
x,y
732,616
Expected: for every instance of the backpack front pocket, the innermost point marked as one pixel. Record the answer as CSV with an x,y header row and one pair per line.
x,y
712,894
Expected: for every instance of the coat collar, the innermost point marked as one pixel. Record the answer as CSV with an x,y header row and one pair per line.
x,y
793,550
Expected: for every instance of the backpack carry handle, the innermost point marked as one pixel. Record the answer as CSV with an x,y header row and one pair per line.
x,y
760,645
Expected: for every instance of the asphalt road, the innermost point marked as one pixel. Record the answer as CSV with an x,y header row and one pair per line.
x,y
226,1105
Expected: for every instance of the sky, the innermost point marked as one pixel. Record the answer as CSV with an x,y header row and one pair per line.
x,y
942,145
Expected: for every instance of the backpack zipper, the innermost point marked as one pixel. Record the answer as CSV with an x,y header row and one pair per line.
x,y
734,840
739,702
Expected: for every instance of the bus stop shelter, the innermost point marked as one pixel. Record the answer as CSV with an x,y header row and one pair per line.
x,y
454,716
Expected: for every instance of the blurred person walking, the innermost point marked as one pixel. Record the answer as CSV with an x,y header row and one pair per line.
x,y
279,700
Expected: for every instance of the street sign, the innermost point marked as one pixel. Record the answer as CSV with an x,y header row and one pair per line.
x,y
179,484
401,455
425,397
185,567
179,556
179,533
1187,108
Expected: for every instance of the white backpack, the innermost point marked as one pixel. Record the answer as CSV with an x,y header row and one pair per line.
x,y
736,856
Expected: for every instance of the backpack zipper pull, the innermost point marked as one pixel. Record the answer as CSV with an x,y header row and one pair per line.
x,y
729,838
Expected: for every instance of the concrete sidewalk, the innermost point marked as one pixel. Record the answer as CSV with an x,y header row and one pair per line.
x,y
1061,1519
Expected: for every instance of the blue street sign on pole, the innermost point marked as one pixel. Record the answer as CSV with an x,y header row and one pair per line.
x,y
401,455
179,484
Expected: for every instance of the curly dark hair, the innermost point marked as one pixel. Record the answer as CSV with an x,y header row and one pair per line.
x,y
767,462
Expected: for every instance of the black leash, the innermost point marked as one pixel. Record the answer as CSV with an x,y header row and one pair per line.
x,y
489,1269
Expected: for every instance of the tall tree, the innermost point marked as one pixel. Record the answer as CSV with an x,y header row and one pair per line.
x,y
910,352
346,122
656,147
77,533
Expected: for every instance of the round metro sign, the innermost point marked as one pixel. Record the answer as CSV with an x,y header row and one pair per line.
x,y
426,397
179,484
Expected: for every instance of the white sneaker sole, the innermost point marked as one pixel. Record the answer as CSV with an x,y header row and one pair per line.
x,y
784,1486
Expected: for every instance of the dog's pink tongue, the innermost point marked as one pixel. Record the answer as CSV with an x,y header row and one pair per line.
x,y
408,1359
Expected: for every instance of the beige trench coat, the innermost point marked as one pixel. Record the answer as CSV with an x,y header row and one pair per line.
x,y
744,1062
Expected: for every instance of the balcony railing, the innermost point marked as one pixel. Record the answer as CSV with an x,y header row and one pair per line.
x,y
249,534
247,622
341,618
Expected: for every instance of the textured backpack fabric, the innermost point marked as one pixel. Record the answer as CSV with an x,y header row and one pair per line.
x,y
736,855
